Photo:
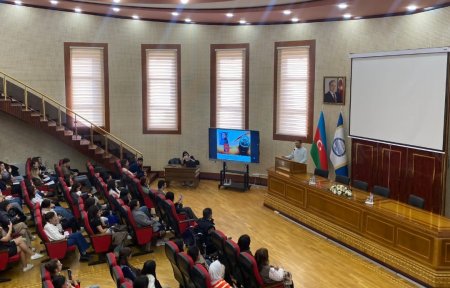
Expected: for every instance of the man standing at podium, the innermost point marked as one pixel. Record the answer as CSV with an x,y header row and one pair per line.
x,y
299,154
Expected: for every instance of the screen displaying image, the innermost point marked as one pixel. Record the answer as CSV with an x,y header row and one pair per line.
x,y
234,145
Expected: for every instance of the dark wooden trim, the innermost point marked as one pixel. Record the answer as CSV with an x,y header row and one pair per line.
x,y
213,90
312,65
145,47
68,74
216,176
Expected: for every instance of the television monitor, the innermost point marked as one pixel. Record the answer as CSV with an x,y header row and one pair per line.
x,y
234,145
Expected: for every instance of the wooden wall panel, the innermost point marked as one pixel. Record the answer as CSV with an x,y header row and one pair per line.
x,y
404,170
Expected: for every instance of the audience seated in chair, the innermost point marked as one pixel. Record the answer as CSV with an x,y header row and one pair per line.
x,y
54,267
205,226
128,270
244,244
179,206
54,232
137,168
113,188
269,273
198,258
119,232
143,180
217,272
16,246
162,187
66,217
142,219
149,270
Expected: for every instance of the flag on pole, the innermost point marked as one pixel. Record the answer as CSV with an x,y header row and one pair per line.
x,y
319,147
338,155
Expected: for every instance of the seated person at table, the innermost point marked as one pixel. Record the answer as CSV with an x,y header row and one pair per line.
x,y
271,274
179,206
15,246
205,227
244,244
119,232
55,232
137,168
188,160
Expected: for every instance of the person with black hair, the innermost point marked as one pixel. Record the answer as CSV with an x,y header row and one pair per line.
x,y
244,244
149,270
55,267
137,168
142,219
59,281
205,226
66,217
179,206
141,282
269,273
55,232
128,270
161,187
198,258
113,189
119,232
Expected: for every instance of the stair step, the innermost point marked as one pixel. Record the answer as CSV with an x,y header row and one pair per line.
x,y
52,123
17,104
107,155
44,119
60,128
92,147
99,151
76,138
36,114
68,133
85,142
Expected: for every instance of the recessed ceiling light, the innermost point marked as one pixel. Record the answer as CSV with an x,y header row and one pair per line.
x,y
347,15
115,9
175,13
229,15
116,1
188,20
428,8
287,12
343,6
411,8
295,19
184,1
242,21
18,2
78,10
136,17
54,2
357,17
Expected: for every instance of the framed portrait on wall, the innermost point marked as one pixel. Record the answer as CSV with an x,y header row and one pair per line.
x,y
334,90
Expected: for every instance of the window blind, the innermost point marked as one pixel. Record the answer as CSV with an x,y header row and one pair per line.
x,y
87,78
292,91
162,89
230,88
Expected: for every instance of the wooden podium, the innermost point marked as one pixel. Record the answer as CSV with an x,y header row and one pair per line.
x,y
289,166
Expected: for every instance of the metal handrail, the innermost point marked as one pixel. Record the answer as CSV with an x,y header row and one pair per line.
x,y
107,135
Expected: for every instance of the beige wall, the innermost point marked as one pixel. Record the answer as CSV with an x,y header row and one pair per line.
x,y
32,50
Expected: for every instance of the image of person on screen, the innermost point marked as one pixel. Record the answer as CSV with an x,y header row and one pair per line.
x,y
224,142
299,154
244,145
332,96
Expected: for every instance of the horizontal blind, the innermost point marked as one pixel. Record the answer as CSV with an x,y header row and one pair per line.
x,y
87,78
230,88
292,94
162,89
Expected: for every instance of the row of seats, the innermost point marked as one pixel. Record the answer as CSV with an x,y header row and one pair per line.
x,y
413,200
116,272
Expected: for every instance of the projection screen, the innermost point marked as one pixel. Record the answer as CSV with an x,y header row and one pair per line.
x,y
401,98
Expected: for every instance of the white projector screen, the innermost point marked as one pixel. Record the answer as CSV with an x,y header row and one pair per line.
x,y
400,99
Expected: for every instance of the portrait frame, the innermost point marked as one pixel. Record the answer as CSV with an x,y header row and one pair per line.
x,y
338,97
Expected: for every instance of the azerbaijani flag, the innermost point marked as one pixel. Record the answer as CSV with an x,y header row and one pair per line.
x,y
338,155
319,147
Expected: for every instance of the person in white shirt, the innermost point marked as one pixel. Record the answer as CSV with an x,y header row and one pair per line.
x,y
55,232
299,154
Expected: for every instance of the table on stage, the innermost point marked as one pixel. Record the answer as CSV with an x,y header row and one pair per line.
x,y
182,173
412,241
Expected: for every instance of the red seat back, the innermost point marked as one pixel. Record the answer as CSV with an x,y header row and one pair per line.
x,y
118,275
172,250
185,263
200,277
252,278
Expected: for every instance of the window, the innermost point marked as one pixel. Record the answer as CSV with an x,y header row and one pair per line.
x,y
229,86
161,89
294,90
87,91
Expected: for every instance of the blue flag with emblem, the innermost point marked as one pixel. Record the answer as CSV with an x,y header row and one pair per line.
x,y
338,155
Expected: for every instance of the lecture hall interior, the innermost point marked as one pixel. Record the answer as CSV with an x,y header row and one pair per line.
x,y
100,99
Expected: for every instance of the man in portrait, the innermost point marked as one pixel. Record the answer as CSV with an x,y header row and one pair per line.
x,y
332,96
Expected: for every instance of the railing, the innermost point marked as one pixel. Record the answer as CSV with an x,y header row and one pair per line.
x,y
51,110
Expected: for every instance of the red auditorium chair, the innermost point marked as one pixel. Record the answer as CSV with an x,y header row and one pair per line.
x,y
5,260
232,252
218,240
47,284
252,278
142,195
118,168
142,235
45,274
127,284
118,276
101,243
177,222
200,277
185,263
26,195
172,250
74,208
111,260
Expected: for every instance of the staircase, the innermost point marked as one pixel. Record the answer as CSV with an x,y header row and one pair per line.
x,y
27,104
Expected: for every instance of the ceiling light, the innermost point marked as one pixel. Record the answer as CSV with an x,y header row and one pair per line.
x,y
18,2
115,9
428,8
347,16
78,10
175,13
287,12
136,17
295,19
229,15
116,1
54,2
188,20
242,21
184,1
343,6
411,8
357,17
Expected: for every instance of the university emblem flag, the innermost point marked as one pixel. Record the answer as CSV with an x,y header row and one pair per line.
x,y
338,155
319,147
